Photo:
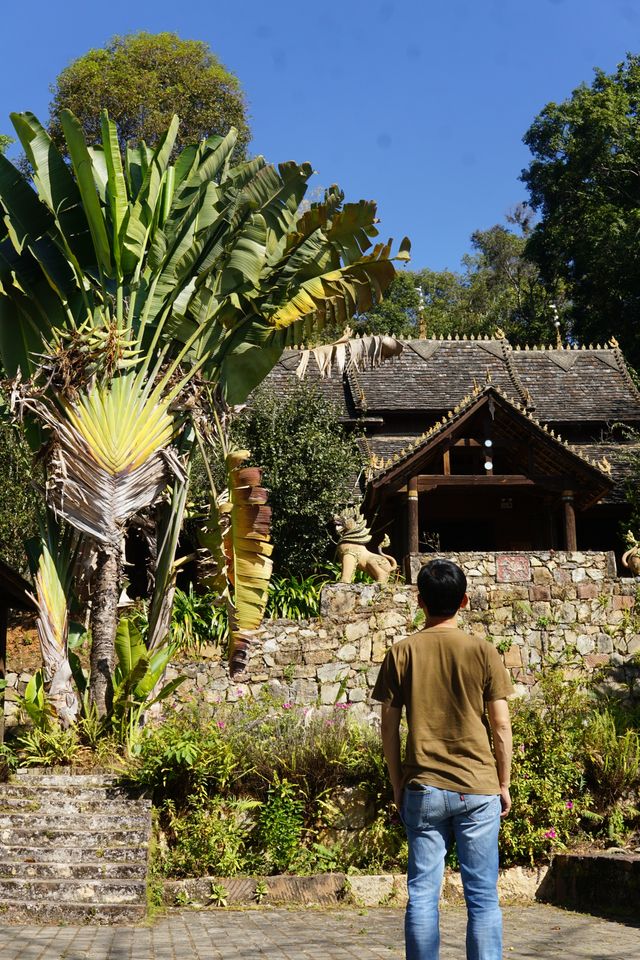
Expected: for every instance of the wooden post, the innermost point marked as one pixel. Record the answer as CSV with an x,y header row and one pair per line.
x,y
3,663
446,463
412,524
570,539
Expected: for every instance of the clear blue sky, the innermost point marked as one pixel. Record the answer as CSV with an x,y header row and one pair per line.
x,y
420,105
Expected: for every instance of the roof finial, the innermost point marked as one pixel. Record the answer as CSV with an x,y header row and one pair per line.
x,y
613,343
499,334
488,378
556,323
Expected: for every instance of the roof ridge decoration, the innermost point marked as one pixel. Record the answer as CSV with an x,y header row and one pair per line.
x,y
521,390
602,465
425,349
622,367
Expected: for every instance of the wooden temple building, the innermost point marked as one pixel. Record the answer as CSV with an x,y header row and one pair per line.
x,y
478,445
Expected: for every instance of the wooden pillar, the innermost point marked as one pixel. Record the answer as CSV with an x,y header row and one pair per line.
x,y
413,533
570,540
3,663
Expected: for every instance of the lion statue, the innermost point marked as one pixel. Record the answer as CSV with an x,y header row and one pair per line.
x,y
352,553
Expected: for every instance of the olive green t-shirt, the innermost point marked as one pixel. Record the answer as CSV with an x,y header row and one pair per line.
x,y
444,678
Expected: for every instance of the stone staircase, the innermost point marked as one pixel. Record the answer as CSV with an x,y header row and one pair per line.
x,y
73,848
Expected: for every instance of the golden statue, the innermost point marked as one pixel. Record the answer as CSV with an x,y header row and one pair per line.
x,y
352,552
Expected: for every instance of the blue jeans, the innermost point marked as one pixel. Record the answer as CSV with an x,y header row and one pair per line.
x,y
431,818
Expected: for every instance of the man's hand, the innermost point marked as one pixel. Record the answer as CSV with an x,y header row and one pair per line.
x,y
505,800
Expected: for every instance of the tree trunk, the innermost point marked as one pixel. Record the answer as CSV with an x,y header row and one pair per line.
x,y
104,621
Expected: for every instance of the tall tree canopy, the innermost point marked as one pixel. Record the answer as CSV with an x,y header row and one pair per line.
x,y
584,180
142,80
497,287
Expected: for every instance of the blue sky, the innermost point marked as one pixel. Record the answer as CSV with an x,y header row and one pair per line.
x,y
420,105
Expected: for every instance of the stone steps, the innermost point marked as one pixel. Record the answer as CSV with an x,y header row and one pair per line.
x,y
73,848
87,869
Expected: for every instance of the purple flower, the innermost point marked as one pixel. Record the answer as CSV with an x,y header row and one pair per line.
x,y
287,705
569,804
240,692
551,834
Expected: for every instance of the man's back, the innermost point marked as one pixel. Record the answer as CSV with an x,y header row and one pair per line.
x,y
444,677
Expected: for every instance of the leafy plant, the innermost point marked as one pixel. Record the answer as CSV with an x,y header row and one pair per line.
x,y
208,838
280,824
218,895
48,747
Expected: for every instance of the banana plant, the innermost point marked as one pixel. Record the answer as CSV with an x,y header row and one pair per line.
x,y
128,281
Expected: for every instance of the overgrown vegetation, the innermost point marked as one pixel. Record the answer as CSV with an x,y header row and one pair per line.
x,y
304,789
310,466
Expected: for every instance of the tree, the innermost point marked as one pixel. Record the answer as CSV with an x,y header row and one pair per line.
x,y
5,142
310,467
584,180
137,300
142,80
496,288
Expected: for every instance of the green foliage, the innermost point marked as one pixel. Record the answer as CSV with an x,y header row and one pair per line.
x,y
185,757
5,142
548,790
295,598
613,758
582,180
310,468
21,502
209,838
280,825
48,747
143,79
496,288
197,619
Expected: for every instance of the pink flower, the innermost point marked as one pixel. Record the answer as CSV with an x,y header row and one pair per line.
x,y
569,804
221,724
287,705
551,834
240,692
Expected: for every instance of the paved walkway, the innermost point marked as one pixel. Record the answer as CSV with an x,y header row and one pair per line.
x,y
538,932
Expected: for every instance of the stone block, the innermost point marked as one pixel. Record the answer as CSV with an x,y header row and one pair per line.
x,y
596,575
512,657
356,631
539,593
587,591
390,620
578,575
330,672
347,653
562,576
512,568
541,575
623,603
332,693
585,644
604,643
357,695
316,657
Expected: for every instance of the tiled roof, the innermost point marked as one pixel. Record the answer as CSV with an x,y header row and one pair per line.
x,y
429,436
432,376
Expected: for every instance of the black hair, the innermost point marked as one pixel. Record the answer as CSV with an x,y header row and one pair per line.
x,y
442,585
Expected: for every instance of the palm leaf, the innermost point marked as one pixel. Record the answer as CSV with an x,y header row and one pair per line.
x,y
112,454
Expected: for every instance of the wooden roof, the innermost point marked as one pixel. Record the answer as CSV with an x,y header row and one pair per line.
x,y
533,452
432,376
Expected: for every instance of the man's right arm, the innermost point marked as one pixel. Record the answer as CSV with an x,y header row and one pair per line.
x,y
500,722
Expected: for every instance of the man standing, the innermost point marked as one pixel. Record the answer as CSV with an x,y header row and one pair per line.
x,y
450,785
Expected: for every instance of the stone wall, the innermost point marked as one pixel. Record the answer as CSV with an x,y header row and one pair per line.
x,y
533,606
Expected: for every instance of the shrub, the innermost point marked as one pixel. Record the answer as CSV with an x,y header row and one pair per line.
x,y
280,825
549,791
208,838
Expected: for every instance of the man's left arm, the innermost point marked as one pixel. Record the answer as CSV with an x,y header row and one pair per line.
x,y
390,731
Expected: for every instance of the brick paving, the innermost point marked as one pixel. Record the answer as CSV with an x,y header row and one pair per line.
x,y
539,932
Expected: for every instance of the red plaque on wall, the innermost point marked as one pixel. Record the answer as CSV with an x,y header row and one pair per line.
x,y
512,568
